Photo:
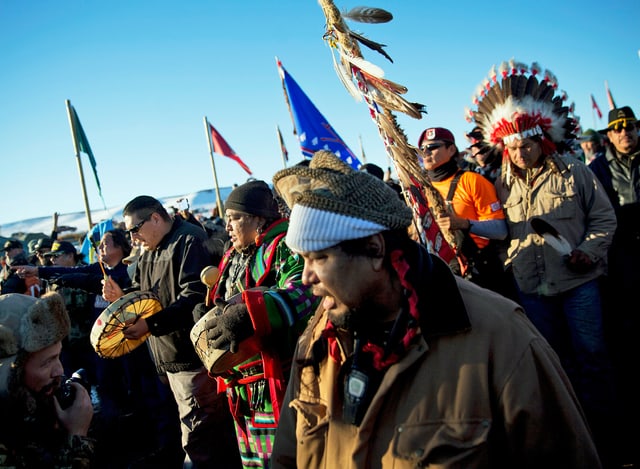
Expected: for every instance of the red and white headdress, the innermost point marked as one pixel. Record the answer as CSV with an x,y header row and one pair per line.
x,y
516,102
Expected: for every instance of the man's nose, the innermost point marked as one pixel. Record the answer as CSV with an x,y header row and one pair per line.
x,y
308,276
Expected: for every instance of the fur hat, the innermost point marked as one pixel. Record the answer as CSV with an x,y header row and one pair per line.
x,y
331,202
29,324
255,198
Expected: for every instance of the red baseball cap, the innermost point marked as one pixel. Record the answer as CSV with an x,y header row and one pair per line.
x,y
436,133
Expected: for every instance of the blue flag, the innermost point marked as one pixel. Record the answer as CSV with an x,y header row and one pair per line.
x,y
92,239
313,130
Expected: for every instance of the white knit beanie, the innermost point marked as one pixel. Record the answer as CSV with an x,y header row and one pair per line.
x,y
329,229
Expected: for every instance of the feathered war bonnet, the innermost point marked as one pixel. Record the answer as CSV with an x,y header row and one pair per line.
x,y
516,102
27,325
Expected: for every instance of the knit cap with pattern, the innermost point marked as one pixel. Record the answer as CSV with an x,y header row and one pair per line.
x,y
331,202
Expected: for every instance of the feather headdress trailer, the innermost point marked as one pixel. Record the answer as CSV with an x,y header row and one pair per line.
x,y
517,102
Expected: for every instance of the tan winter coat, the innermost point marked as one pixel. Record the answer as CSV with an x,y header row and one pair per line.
x,y
567,195
491,396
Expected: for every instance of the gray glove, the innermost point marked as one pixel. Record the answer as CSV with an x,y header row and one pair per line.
x,y
199,310
227,329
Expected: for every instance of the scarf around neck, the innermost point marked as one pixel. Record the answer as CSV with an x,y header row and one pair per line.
x,y
443,171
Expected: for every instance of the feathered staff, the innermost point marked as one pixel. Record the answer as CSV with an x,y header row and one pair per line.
x,y
366,80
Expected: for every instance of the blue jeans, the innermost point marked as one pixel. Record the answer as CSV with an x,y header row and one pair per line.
x,y
572,324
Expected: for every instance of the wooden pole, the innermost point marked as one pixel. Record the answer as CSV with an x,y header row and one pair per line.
x,y
207,130
72,124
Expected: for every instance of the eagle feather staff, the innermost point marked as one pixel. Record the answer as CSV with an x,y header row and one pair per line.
x,y
383,96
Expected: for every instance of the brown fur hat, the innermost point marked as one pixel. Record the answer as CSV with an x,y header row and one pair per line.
x,y
31,324
28,324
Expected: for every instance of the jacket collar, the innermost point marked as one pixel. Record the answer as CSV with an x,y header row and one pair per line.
x,y
442,310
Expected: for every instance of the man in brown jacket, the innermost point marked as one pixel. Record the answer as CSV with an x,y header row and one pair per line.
x,y
405,365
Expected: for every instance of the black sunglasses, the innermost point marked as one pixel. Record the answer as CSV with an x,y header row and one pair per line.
x,y
432,146
135,228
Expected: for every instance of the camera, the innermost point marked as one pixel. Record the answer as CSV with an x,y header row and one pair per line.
x,y
66,393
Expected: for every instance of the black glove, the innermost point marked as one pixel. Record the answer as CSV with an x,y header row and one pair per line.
x,y
227,329
579,262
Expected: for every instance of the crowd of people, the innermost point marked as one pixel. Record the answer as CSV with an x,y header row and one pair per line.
x,y
331,336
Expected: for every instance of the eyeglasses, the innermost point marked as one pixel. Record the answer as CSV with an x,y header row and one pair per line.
x,y
135,228
430,147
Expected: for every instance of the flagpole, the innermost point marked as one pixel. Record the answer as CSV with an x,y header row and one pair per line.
x,y
207,130
79,161
283,150
364,158
286,97
612,104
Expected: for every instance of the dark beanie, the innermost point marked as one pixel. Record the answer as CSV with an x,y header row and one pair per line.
x,y
373,169
255,198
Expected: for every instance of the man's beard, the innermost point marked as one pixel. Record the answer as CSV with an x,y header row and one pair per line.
x,y
344,320
368,316
35,409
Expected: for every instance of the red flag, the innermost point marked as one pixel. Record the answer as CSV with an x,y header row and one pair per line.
x,y
221,147
594,105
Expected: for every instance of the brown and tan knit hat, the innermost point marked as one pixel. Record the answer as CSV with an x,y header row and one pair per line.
x,y
331,202
29,324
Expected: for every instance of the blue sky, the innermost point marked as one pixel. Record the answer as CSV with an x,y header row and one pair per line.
x,y
142,75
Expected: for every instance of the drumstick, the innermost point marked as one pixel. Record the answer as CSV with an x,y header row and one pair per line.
x,y
209,276
104,273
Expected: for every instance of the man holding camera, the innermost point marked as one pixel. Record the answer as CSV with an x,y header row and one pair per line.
x,y
36,430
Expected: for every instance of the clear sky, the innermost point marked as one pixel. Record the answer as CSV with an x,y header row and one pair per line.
x,y
143,74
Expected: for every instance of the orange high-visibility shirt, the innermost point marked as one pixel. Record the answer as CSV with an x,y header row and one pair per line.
x,y
475,198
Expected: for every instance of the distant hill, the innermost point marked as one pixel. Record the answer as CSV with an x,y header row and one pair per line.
x,y
201,202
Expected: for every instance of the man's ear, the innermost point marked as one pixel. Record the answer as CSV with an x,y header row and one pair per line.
x,y
375,249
